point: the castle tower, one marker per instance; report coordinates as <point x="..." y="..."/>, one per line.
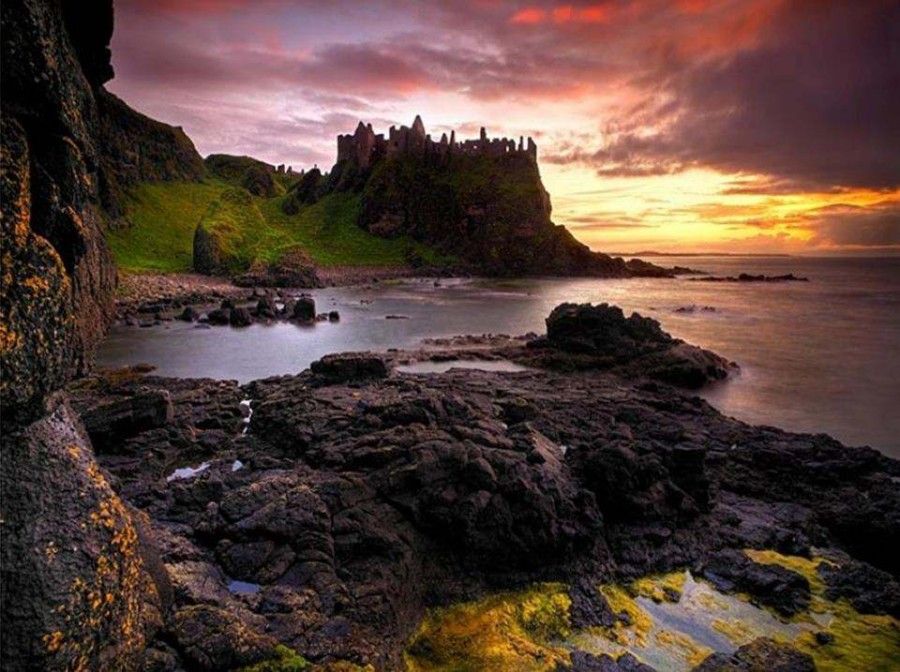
<point x="418" y="128"/>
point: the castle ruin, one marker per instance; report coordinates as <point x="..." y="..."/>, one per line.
<point x="364" y="147"/>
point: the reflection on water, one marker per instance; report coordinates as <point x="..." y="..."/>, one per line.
<point x="817" y="357"/>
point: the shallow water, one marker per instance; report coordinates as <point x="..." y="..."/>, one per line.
<point x="701" y="621"/>
<point x="501" y="365"/>
<point x="815" y="357"/>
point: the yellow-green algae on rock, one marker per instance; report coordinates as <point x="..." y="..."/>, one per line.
<point x="861" y="641"/>
<point x="507" y="631"/>
<point x="671" y="622"/>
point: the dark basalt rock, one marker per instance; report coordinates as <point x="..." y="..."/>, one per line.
<point x="588" y="662"/>
<point x="587" y="336"/>
<point x="76" y="594"/>
<point x="240" y="317"/>
<point x="117" y="417"/>
<point x="589" y="608"/>
<point x="760" y="655"/>
<point x="189" y="314"/>
<point x="746" y="277"/>
<point x="869" y="590"/>
<point x="358" y="503"/>
<point x="219" y="316"/>
<point x="304" y="309"/>
<point x="294" y="268"/>
<point x="266" y="308"/>
<point x="345" y="367"/>
<point x="780" y="588"/>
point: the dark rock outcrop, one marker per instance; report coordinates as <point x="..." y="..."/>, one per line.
<point x="79" y="580"/>
<point x="869" y="590"/>
<point x="601" y="337"/>
<point x="259" y="182"/>
<point x="774" y="586"/>
<point x="58" y="274"/>
<point x="342" y="368"/>
<point x="760" y="655"/>
<point x="294" y="268"/>
<point x="747" y="277"/>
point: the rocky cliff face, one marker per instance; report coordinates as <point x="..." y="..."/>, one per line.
<point x="58" y="274"/>
<point x="76" y="591"/>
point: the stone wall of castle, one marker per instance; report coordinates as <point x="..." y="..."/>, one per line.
<point x="364" y="147"/>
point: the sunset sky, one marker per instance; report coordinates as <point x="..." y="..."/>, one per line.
<point x="689" y="125"/>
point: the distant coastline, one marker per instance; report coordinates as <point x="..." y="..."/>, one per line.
<point x="654" y="253"/>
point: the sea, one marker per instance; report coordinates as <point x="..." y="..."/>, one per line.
<point x="821" y="356"/>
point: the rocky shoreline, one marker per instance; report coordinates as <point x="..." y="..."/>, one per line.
<point x="356" y="497"/>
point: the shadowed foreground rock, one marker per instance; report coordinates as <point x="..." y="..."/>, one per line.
<point x="76" y="592"/>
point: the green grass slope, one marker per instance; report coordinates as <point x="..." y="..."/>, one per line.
<point x="164" y="216"/>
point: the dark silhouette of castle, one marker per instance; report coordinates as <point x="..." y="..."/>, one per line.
<point x="363" y="147"/>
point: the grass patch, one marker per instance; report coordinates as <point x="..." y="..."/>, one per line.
<point x="164" y="216"/>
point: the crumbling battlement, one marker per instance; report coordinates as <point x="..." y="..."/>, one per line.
<point x="364" y="147"/>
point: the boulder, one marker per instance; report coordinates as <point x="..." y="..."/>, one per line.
<point x="117" y="418"/>
<point x="240" y="317"/>
<point x="603" y="330"/>
<point x="304" y="309"/>
<point x="219" y="316"/>
<point x="347" y="367"/>
<point x="266" y="308"/>
<point x="189" y="314"/>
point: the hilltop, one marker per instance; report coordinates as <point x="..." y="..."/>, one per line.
<point x="403" y="203"/>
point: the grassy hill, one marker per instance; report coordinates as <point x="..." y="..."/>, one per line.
<point x="164" y="216"/>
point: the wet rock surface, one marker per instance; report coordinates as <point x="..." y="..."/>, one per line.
<point x="732" y="571"/>
<point x="361" y="501"/>
<point x="761" y="654"/>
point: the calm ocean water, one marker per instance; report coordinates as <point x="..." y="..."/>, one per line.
<point x="820" y="356"/>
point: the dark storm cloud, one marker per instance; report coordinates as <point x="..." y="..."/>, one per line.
<point x="815" y="105"/>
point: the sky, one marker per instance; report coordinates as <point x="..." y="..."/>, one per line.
<point x="761" y="126"/>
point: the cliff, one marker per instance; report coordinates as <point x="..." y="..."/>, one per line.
<point x="77" y="592"/>
<point x="481" y="201"/>
<point x="136" y="148"/>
